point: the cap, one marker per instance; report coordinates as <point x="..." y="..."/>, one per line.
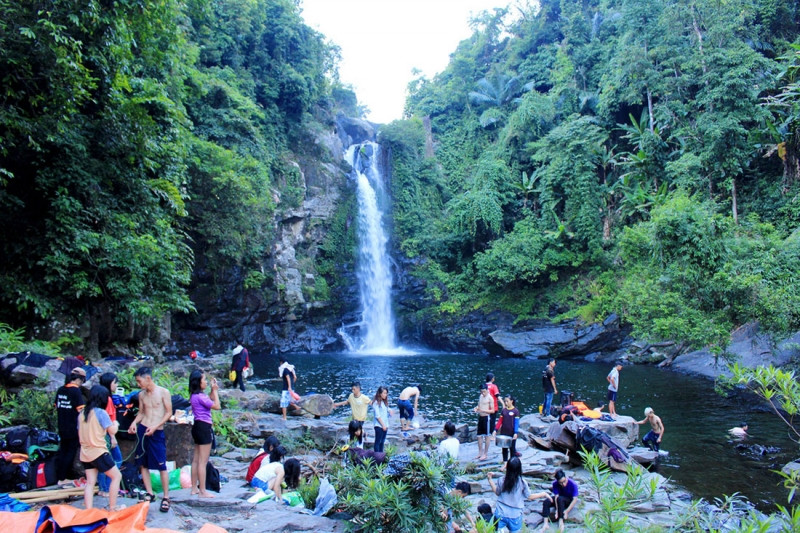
<point x="79" y="371"/>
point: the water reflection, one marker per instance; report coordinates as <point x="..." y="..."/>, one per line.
<point x="702" y="457"/>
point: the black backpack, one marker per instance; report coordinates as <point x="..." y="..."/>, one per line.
<point x="17" y="440"/>
<point x="212" y="477"/>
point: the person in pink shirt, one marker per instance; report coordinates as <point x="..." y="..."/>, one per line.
<point x="202" y="405"/>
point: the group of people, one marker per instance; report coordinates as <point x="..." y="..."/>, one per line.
<point x="407" y="405"/>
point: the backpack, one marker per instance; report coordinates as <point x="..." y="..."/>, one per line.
<point x="17" y="440"/>
<point x="42" y="473"/>
<point x="212" y="477"/>
<point x="568" y="412"/>
<point x="255" y="464"/>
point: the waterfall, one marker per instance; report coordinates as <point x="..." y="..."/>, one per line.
<point x="375" y="332"/>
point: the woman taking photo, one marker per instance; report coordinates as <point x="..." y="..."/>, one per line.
<point x="202" y="405"/>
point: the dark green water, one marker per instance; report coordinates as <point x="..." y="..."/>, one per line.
<point x="702" y="459"/>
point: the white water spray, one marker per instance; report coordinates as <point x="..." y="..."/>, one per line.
<point x="375" y="332"/>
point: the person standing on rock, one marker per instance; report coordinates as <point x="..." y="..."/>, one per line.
<point x="380" y="407"/>
<point x="653" y="438"/>
<point x="485" y="408"/>
<point x="512" y="490"/>
<point x="358" y="403"/>
<point x="494" y="393"/>
<point x="613" y="387"/>
<point x="450" y="445"/>
<point x="93" y="426"/>
<point x="288" y="378"/>
<point x="509" y="426"/>
<point x="549" y="386"/>
<point x="155" y="408"/>
<point x="406" y="409"/>
<point x="69" y="403"/>
<point x="240" y="361"/>
<point x="202" y="433"/>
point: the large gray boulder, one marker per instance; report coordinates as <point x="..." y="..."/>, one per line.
<point x="560" y="340"/>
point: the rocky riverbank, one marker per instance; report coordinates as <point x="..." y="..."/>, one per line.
<point x="313" y="440"/>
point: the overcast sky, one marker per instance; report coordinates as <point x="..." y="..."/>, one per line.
<point x="383" y="40"/>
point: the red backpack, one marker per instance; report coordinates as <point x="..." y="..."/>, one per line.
<point x="255" y="464"/>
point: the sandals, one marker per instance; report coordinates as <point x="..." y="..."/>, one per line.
<point x="164" y="505"/>
<point x="146" y="497"/>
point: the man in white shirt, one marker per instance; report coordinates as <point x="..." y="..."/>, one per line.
<point x="613" y="387"/>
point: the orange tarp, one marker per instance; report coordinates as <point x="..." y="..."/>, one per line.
<point x="584" y="410"/>
<point x="128" y="520"/>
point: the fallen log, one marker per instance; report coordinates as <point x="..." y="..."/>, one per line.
<point x="48" y="494"/>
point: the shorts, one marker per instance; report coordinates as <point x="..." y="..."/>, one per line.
<point x="406" y="409"/>
<point x="286" y="399"/>
<point x="483" y="426"/>
<point x="201" y="432"/>
<point x="513" y="524"/>
<point x="104" y="463"/>
<point x="612" y="396"/>
<point x="151" y="452"/>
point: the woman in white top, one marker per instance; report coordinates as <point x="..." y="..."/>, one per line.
<point x="380" y="406"/>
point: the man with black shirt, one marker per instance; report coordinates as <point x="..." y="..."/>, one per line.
<point x="69" y="403"/>
<point x="549" y="386"/>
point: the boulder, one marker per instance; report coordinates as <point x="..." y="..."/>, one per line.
<point x="565" y="339"/>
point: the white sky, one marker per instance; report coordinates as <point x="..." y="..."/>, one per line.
<point x="381" y="42"/>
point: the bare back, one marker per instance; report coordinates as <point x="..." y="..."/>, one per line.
<point x="156" y="407"/>
<point x="408" y="392"/>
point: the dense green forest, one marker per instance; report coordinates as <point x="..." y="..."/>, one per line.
<point x="143" y="141"/>
<point x="602" y="156"/>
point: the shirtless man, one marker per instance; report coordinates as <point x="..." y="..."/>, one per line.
<point x="155" y="408"/>
<point x="404" y="405"/>
<point x="653" y="438"/>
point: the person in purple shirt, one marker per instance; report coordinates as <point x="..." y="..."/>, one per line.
<point x="202" y="405"/>
<point x="564" y="498"/>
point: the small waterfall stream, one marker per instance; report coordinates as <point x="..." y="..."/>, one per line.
<point x="375" y="333"/>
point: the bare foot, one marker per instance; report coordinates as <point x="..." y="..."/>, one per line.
<point x="205" y="494"/>
<point x="195" y="492"/>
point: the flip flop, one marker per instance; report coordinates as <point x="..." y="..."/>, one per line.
<point x="164" y="505"/>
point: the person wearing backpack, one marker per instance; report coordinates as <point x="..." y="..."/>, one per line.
<point x="69" y="403"/>
<point x="549" y="386"/>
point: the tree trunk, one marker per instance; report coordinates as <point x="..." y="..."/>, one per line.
<point x="734" y="207"/>
<point x="668" y="361"/>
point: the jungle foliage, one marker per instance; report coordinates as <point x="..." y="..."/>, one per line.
<point x="617" y="156"/>
<point x="142" y="142"/>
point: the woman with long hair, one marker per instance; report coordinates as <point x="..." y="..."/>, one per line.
<point x="109" y="381"/>
<point x="356" y="432"/>
<point x="202" y="433"/>
<point x="509" y="426"/>
<point x="380" y="407"/>
<point x="512" y="491"/>
<point x="271" y="474"/>
<point x="93" y="426"/>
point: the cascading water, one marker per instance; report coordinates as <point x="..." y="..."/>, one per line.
<point x="375" y="332"/>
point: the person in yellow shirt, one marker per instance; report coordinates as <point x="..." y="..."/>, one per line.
<point x="358" y="403"/>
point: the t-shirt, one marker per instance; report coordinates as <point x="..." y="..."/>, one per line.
<point x="267" y="471"/>
<point x="287" y="372"/>
<point x="359" y="406"/>
<point x="511" y="504"/>
<point x="201" y="407"/>
<point x="69" y="400"/>
<point x="494" y="392"/>
<point x="509" y="422"/>
<point x="570" y="491"/>
<point x="614" y="376"/>
<point x="547" y="382"/>
<point x="111" y="409"/>
<point x="450" y="445"/>
<point x="381" y="411"/>
<point x="92" y="434"/>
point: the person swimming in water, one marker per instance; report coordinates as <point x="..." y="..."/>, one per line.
<point x="739" y="433"/>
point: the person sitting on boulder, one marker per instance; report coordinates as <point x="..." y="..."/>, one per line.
<point x="564" y="498"/>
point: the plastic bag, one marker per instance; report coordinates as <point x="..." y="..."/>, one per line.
<point x="292" y="499"/>
<point x="174" y="480"/>
<point x="232" y="375"/>
<point x="326" y="499"/>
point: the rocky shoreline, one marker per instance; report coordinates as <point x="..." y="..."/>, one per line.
<point x="256" y="415"/>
